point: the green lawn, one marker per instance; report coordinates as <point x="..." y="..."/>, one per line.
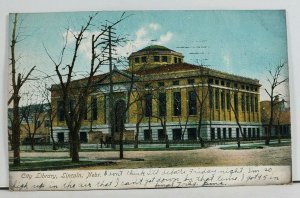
<point x="255" y="146"/>
<point x="53" y="165"/>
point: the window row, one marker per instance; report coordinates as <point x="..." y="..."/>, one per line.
<point x="217" y="98"/>
<point x="226" y="133"/>
<point x="162" y="104"/>
<point x="91" y="108"/>
<point x="144" y="59"/>
<point x="174" y="83"/>
<point x="231" y="84"/>
<point x="177" y="134"/>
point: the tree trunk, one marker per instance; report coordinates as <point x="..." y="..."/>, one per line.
<point x="239" y="143"/>
<point x="121" y="145"/>
<point x="32" y="143"/>
<point x="52" y="138"/>
<point x="74" y="145"/>
<point x="267" y="141"/>
<point x="167" y="141"/>
<point x="136" y="138"/>
<point x="16" y="130"/>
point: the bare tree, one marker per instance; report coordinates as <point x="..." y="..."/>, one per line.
<point x="74" y="94"/>
<point x="18" y="81"/>
<point x="235" y="109"/>
<point x="201" y="101"/>
<point x="275" y="79"/>
<point x="161" y="100"/>
<point x="51" y="112"/>
<point x="34" y="115"/>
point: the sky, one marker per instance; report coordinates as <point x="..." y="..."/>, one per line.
<point x="245" y="43"/>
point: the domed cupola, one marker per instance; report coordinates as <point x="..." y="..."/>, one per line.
<point x="153" y="56"/>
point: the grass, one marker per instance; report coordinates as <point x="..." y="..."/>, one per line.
<point x="145" y="149"/>
<point x="53" y="165"/>
<point x="172" y="148"/>
<point x="256" y="146"/>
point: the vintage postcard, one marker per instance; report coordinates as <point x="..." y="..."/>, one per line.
<point x="148" y="99"/>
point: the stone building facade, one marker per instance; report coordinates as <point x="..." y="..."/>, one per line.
<point x="162" y="95"/>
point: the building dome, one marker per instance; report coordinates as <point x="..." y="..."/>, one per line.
<point x="153" y="56"/>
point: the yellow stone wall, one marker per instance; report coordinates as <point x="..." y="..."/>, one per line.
<point x="135" y="109"/>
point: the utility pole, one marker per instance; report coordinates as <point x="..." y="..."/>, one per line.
<point x="110" y="44"/>
<point x="111" y="109"/>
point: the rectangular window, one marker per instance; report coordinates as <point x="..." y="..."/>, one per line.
<point x="137" y="59"/>
<point x="60" y="137"/>
<point x="161" y="84"/>
<point x="236" y="102"/>
<point x="148" y="105"/>
<point x="258" y="132"/>
<point x="222" y="83"/>
<point x="177" y="134"/>
<point x="245" y="132"/>
<point x="237" y="133"/>
<point x="156" y="58"/>
<point x="176" y="82"/>
<point x="179" y="60"/>
<point x="61" y="110"/>
<point x="83" y="137"/>
<point x="222" y="100"/>
<point x="192" y="103"/>
<point x="94" y="108"/>
<point x="224" y="133"/>
<point x="253" y="132"/>
<point x="192" y="134"/>
<point x="216" y="82"/>
<point x="227" y="84"/>
<point x="164" y="59"/>
<point x="249" y="132"/>
<point x="162" y="104"/>
<point x="161" y="135"/>
<point x="211" y="98"/>
<point x="243" y="102"/>
<point x="177" y="103"/>
<point x="219" y="133"/>
<point x="144" y="59"/>
<point x="217" y="99"/>
<point x="175" y="59"/>
<point x="228" y="100"/>
<point x="210" y="81"/>
<point x="212" y="134"/>
<point x="251" y="103"/>
<point x="229" y="133"/>
<point x="191" y="81"/>
<point x="147" y="134"/>
<point x="256" y="104"/>
<point x="247" y="104"/>
<point x="235" y="85"/>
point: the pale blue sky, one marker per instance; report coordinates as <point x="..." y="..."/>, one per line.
<point x="239" y="42"/>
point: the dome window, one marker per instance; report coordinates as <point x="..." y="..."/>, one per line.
<point x="156" y="58"/>
<point x="137" y="60"/>
<point x="175" y="59"/>
<point x="164" y="59"/>
<point x="144" y="59"/>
